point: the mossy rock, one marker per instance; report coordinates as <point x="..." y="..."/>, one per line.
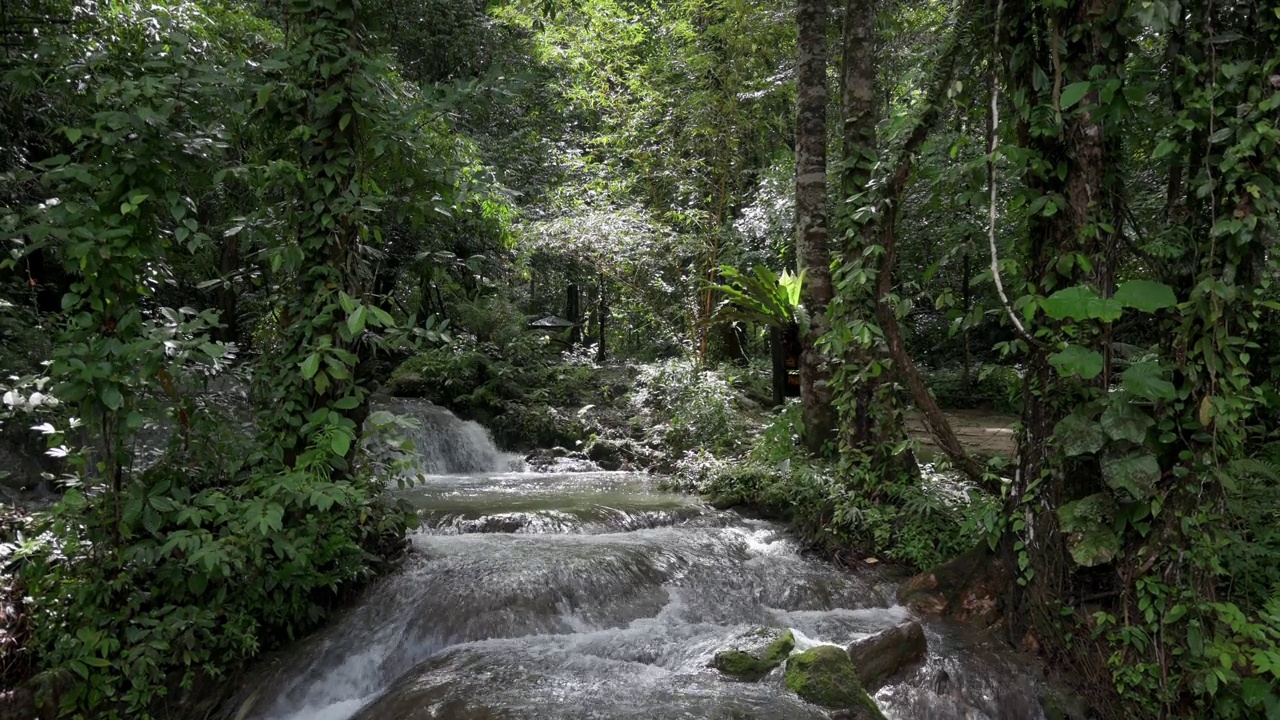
<point x="743" y="665"/>
<point x="825" y="676"/>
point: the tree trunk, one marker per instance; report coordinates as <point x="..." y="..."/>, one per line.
<point x="860" y="111"/>
<point x="602" y="314"/>
<point x="573" y="313"/>
<point x="812" y="254"/>
<point x="777" y="353"/>
<point x="860" y="114"/>
<point x="593" y="310"/>
<point x="966" y="298"/>
<point x="1077" y="42"/>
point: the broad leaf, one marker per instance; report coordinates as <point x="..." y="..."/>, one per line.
<point x="1078" y="434"/>
<point x="1087" y="513"/>
<point x="1122" y="420"/>
<point x="1145" y="295"/>
<point x="1072" y="94"/>
<point x="340" y="443"/>
<point x="1076" y="360"/>
<point x="1147" y="380"/>
<point x="1080" y="302"/>
<point x="1093" y="548"/>
<point x="310" y="366"/>
<point x="1133" y="476"/>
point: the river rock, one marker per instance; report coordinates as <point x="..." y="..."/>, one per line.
<point x="881" y="656"/>
<point x="967" y="588"/>
<point x="768" y="651"/>
<point x="825" y="676"/>
<point x="605" y="453"/>
<point x="544" y="457"/>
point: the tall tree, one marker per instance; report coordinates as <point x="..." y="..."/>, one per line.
<point x="812" y="253"/>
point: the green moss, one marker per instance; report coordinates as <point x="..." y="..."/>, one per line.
<point x="825" y="676"/>
<point x="746" y="666"/>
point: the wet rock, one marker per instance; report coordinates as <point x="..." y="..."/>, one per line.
<point x="408" y="385"/>
<point x="825" y="676"/>
<point x="751" y="665"/>
<point x="967" y="588"/>
<point x="881" y="656"/>
<point x="545" y="457"/>
<point x="605" y="453"/>
<point x="1062" y="704"/>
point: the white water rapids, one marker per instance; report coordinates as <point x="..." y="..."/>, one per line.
<point x="594" y="595"/>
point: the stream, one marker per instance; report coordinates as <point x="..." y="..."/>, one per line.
<point x="578" y="594"/>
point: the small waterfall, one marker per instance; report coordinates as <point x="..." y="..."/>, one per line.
<point x="444" y="444"/>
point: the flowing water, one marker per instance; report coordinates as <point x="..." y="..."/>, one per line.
<point x="595" y="595"/>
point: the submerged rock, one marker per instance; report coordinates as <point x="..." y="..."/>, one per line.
<point x="881" y="656"/>
<point x="755" y="664"/>
<point x="825" y="676"/>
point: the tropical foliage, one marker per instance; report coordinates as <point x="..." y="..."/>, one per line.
<point x="228" y="225"/>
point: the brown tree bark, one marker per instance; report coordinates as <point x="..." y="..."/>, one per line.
<point x="1074" y="42"/>
<point x="812" y="252"/>
<point x="860" y="111"/>
<point x="858" y="102"/>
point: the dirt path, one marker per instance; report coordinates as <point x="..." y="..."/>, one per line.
<point x="982" y="432"/>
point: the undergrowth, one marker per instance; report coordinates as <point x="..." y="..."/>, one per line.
<point x="921" y="525"/>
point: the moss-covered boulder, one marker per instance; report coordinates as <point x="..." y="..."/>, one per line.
<point x="825" y="676"/>
<point x="753" y="665"/>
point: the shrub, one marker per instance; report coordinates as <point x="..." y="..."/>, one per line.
<point x="692" y="407"/>
<point x="998" y="387"/>
<point x="187" y="575"/>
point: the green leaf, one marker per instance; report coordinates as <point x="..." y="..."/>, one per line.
<point x="1147" y="380"/>
<point x="1145" y="295"/>
<point x="349" y="304"/>
<point x="1096" y="547"/>
<point x="1122" y="420"/>
<point x="340" y="443"/>
<point x="1072" y="94"/>
<point x="310" y="366"/>
<point x="1087" y="513"/>
<point x="1133" y="476"/>
<point x="197" y="582"/>
<point x="1081" y="303"/>
<point x="347" y="403"/>
<point x="1254" y="691"/>
<point x="1072" y="302"/>
<point x="1076" y="360"/>
<point x="1078" y="434"/>
<point x="382" y="317"/>
<point x="112" y="398"/>
<point x="1165" y="147"/>
<point x="73" y="134"/>
<point x="356" y="320"/>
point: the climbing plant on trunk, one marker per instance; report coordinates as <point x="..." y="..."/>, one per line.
<point x="316" y="383"/>
<point x="812" y="252"/>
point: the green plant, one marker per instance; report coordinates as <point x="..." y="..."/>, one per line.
<point x="690" y="407"/>
<point x="762" y="297"/>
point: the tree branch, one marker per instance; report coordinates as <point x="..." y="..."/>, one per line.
<point x="936" y="422"/>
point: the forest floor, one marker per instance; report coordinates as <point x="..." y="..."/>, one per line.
<point x="982" y="432"/>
